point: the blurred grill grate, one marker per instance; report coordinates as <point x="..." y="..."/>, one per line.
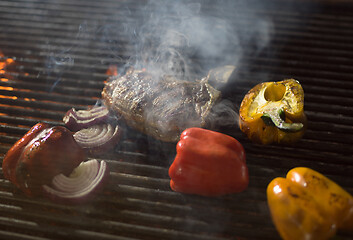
<point x="55" y="55"/>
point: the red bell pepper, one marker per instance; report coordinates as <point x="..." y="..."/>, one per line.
<point x="42" y="153"/>
<point x="208" y="163"/>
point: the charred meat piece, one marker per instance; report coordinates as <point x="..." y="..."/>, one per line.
<point x="159" y="106"/>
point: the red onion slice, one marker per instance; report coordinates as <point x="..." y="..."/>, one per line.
<point x="76" y="120"/>
<point x="98" y="138"/>
<point x="86" y="179"/>
<point x="77" y="177"/>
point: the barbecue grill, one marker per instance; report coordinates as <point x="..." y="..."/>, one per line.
<point x="55" y="55"/>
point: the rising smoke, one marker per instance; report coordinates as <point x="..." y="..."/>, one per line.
<point x="175" y="34"/>
<point x="183" y="39"/>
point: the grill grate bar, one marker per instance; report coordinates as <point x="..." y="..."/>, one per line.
<point x="69" y="222"/>
<point x="18" y="236"/>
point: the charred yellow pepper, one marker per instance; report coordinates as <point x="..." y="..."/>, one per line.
<point x="308" y="205"/>
<point x="334" y="199"/>
<point x="273" y="112"/>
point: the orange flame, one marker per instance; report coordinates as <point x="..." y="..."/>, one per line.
<point x="3" y="65"/>
<point x="6" y="62"/>
<point x="112" y="70"/>
<point x="6" y="88"/>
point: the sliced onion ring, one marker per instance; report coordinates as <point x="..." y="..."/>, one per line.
<point x="76" y="120"/>
<point x="85" y="180"/>
<point x="98" y="138"/>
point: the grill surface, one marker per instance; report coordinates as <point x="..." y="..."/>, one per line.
<point x="55" y="56"/>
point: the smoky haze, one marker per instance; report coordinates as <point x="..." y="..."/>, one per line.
<point x="175" y="34"/>
<point x="183" y="39"/>
<point x="186" y="39"/>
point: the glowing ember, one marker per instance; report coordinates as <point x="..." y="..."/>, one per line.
<point x="29" y="99"/>
<point x="112" y="70"/>
<point x="8" y="97"/>
<point x="6" y="88"/>
<point x="4" y="62"/>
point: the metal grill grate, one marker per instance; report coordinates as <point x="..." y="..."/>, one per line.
<point x="56" y="55"/>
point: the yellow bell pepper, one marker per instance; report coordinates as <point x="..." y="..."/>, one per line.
<point x="308" y="205"/>
<point x="273" y="112"/>
<point x="337" y="201"/>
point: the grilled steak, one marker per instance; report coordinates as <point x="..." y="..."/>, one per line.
<point x="159" y="106"/>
